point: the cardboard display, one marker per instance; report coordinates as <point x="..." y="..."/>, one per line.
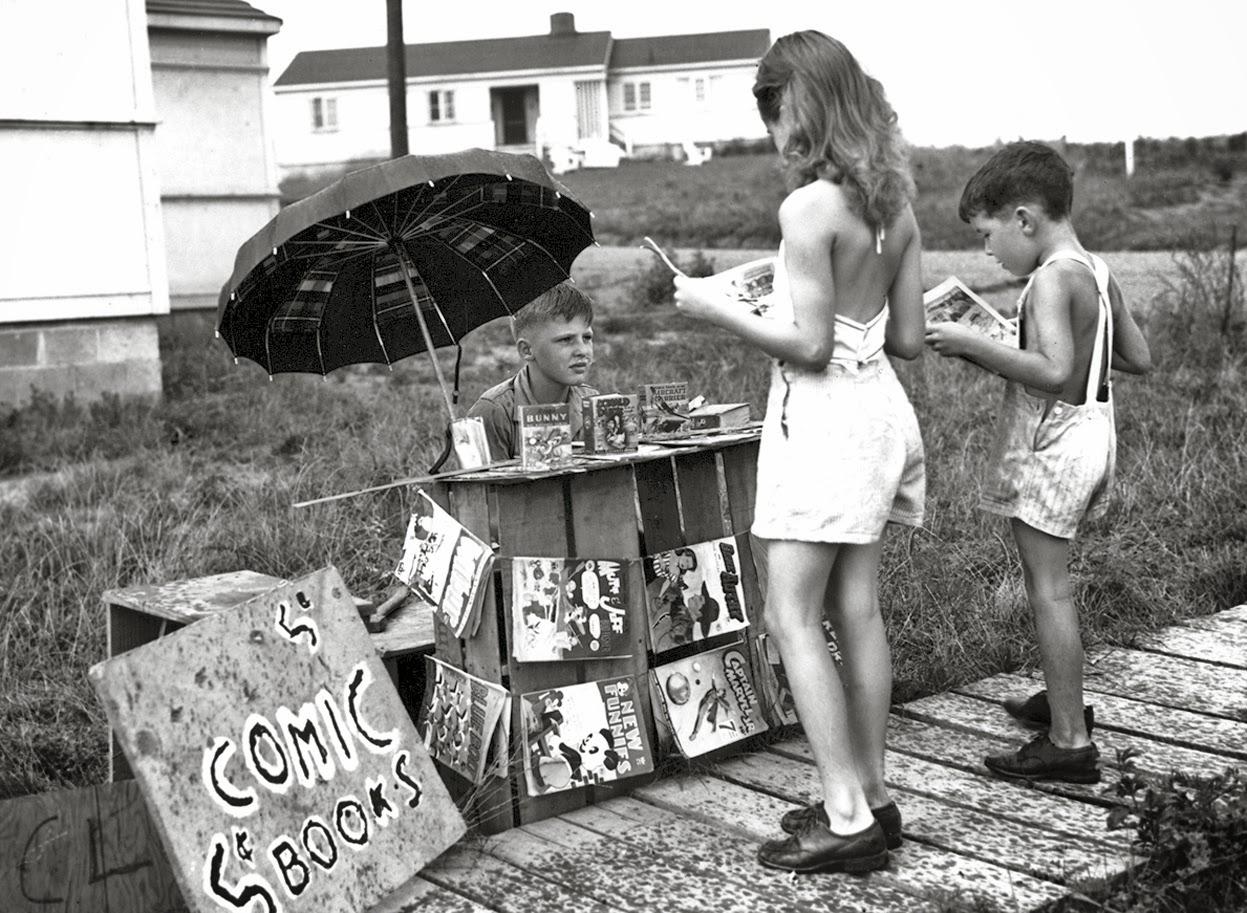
<point x="276" y="758"/>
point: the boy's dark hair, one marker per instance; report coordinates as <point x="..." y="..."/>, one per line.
<point x="563" y="302"/>
<point x="1022" y="172"/>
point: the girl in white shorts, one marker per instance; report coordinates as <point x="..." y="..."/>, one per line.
<point x="840" y="452"/>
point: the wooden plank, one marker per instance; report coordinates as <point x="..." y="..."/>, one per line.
<point x="1022" y="845"/>
<point x="184" y="601"/>
<point x="498" y="885"/>
<point x="715" y="869"/>
<point x="1224" y="644"/>
<point x="915" y="868"/>
<point x="1159" y="758"/>
<point x="423" y="896"/>
<point x="658" y="506"/>
<point x="84" y="849"/>
<point x="1213" y="734"/>
<point x="605" y="524"/>
<point x="697" y="492"/>
<point x="1169" y="680"/>
<point x="1014" y="801"/>
<point x="483" y="649"/>
<point x="740" y="474"/>
<point x="1238" y="613"/>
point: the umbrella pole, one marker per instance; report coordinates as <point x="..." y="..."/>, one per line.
<point x="424" y="329"/>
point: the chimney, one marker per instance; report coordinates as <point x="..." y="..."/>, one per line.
<point x="562" y="24"/>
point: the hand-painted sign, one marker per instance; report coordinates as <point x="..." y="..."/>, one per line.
<point x="276" y="758"/>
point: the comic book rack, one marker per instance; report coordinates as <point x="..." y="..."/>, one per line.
<point x="623" y="510"/>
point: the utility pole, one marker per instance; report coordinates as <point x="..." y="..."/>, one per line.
<point x="396" y="71"/>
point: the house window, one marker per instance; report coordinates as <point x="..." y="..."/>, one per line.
<point x="441" y="106"/>
<point x="636" y="96"/>
<point x="699" y="90"/>
<point x="324" y="114"/>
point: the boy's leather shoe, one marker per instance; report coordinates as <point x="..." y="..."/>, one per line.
<point x="1035" y="713"/>
<point x="814" y="848"/>
<point x="888" y="816"/>
<point x="1039" y="759"/>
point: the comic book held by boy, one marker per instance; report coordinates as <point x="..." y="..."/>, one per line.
<point x="694" y="592"/>
<point x="460" y="718"/>
<point x="568" y="609"/>
<point x="584" y="734"/>
<point x="445" y="565"/>
<point x="953" y="301"/>
<point x="707" y="700"/>
<point x="612" y="423"/>
<point x="664" y="409"/>
<point x="545" y="433"/>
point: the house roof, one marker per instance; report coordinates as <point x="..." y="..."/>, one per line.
<point x="537" y="52"/>
<point x="708" y="47"/>
<point x="452" y="58"/>
<point x="233" y="8"/>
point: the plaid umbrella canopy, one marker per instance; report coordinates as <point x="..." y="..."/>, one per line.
<point x="403" y="257"/>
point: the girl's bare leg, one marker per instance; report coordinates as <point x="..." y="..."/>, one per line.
<point x="797" y="577"/>
<point x="866" y="668"/>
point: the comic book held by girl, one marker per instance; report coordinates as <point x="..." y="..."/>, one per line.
<point x="694" y="592"/>
<point x="584" y="734"/>
<point x="568" y="609"/>
<point x="707" y="700"/>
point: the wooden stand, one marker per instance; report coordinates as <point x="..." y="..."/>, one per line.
<point x="616" y="511"/>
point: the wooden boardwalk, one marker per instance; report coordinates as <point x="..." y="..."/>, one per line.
<point x="687" y="843"/>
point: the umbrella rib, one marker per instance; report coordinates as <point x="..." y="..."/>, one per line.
<point x="376" y="328"/>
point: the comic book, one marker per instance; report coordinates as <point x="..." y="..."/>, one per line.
<point x="612" y="423"/>
<point x="664" y="408"/>
<point x="584" y="734"/>
<point x="749" y="283"/>
<point x="545" y="434"/>
<point x="953" y="300"/>
<point x="445" y="565"/>
<point x="707" y="700"/>
<point x="694" y="592"/>
<point x="568" y="608"/>
<point x="467" y="435"/>
<point x="460" y="720"/>
<point x="717" y="416"/>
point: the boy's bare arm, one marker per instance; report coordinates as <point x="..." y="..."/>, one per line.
<point x="1130" y="349"/>
<point x="1048" y="361"/>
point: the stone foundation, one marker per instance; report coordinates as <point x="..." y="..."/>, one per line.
<point x="85" y="358"/>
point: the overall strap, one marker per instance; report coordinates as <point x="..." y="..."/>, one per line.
<point x="1098" y="385"/>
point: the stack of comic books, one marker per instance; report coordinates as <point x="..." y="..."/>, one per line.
<point x="612" y="423"/>
<point x="583" y="734"/>
<point x="466" y="722"/>
<point x="568" y="609"/>
<point x="445" y="565"/>
<point x="953" y="301"/>
<point x="708" y="700"/>
<point x="545" y="435"/>
<point x="663" y="408"/>
<point x="693" y="593"/>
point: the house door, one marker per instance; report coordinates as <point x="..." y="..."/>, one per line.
<point x="514" y="114"/>
<point x="589" y="108"/>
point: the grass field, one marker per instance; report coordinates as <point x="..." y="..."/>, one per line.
<point x="120" y="493"/>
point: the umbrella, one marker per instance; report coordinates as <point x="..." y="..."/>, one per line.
<point x="403" y="257"/>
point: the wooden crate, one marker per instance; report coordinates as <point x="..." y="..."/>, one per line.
<point x="615" y="511"/>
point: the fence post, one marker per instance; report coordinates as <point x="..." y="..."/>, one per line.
<point x="1229" y="281"/>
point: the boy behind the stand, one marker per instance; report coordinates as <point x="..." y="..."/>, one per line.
<point x="1053" y="461"/>
<point x="554" y="339"/>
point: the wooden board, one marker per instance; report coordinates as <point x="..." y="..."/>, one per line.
<point x="184" y="601"/>
<point x="275" y="756"/>
<point x="1169" y="680"/>
<point x="84" y="849"/>
<point x="1222" y="642"/>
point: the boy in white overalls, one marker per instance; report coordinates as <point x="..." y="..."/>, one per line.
<point x="1055" y="450"/>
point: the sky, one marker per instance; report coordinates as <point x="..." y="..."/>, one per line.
<point x="965" y="72"/>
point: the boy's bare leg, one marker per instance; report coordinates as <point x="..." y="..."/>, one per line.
<point x="798" y="573"/>
<point x="866" y="669"/>
<point x="1045" y="566"/>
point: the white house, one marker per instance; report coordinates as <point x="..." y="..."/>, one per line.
<point x="584" y="91"/>
<point x="136" y="161"/>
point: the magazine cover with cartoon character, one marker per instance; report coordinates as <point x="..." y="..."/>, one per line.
<point x="694" y="592"/>
<point x="460" y="720"/>
<point x="568" y="608"/>
<point x="584" y="734"/>
<point x="707" y="700"/>
<point x="444" y="564"/>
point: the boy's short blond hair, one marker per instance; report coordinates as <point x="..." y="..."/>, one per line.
<point x="563" y="302"/>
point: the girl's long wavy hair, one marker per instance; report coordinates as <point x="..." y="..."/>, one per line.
<point x="844" y="129"/>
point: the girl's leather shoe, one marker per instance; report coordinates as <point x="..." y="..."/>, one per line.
<point x="814" y="848"/>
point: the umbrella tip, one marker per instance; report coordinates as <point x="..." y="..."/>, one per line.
<point x="235" y="359"/>
<point x="270" y="378"/>
<point x="216" y="334"/>
<point x="509" y="176"/>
